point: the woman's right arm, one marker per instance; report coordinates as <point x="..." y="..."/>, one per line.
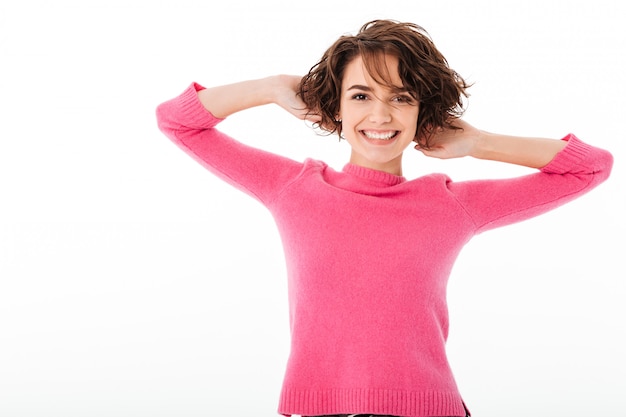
<point x="224" y="100"/>
<point x="189" y="120"/>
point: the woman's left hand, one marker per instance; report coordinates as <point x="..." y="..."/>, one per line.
<point x="449" y="143"/>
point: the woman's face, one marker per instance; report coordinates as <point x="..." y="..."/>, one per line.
<point x="378" y="122"/>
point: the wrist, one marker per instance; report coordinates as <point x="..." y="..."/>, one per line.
<point x="281" y="87"/>
<point x="264" y="90"/>
<point x="482" y="145"/>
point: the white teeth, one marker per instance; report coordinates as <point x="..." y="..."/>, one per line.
<point x="380" y="135"/>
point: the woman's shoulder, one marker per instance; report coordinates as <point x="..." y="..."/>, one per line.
<point x="434" y="179"/>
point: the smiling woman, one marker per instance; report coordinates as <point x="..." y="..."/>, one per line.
<point x="418" y="70"/>
<point x="378" y="122"/>
<point x="368" y="252"/>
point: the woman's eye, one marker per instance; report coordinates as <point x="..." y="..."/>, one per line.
<point x="359" y="97"/>
<point x="404" y="99"/>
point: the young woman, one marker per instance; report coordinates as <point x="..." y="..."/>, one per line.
<point x="369" y="252"/>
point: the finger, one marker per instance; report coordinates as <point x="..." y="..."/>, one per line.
<point x="311" y="117"/>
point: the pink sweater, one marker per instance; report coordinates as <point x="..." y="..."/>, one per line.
<point x="368" y="258"/>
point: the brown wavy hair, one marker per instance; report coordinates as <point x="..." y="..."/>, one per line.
<point x="423" y="69"/>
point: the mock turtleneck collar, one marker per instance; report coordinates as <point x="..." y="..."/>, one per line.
<point x="381" y="178"/>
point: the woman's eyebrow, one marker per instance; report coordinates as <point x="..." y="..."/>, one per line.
<point x="359" y="87"/>
<point x="366" y="88"/>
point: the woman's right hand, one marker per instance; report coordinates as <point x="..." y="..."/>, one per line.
<point x="286" y="96"/>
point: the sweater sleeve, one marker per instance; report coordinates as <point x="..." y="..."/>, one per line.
<point x="189" y="125"/>
<point x="574" y="171"/>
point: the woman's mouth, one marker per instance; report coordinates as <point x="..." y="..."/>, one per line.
<point x="380" y="135"/>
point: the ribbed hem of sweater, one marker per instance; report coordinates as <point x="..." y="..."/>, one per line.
<point x="370" y="401"/>
<point x="198" y="116"/>
<point x="569" y="157"/>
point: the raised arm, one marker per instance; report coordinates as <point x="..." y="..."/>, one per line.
<point x="469" y="141"/>
<point x="568" y="168"/>
<point x="222" y="101"/>
<point x="190" y="121"/>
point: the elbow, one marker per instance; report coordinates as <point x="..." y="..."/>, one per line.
<point x="165" y="122"/>
<point x="161" y="119"/>
<point x="605" y="166"/>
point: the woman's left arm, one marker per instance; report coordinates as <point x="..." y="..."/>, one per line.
<point x="568" y="168"/>
<point x="470" y="141"/>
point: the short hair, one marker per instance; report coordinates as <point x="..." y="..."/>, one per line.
<point x="423" y="69"/>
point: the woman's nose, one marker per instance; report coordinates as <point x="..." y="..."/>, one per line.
<point x="380" y="112"/>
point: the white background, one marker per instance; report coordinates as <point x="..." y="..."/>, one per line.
<point x="133" y="283"/>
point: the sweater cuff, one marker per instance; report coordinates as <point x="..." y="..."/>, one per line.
<point x="197" y="115"/>
<point x="571" y="156"/>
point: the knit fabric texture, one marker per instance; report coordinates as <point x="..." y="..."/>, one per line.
<point x="368" y="259"/>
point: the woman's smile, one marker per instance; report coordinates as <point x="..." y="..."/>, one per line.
<point x="380" y="137"/>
